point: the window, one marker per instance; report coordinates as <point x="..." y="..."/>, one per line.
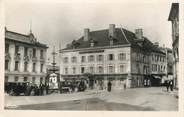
<point x="16" y="79"/>
<point x="25" y="79"/>
<point x="122" y="56"/>
<point x="25" y="51"/>
<point x="91" y="58"/>
<point x="41" y="80"/>
<point x="164" y="68"/>
<point x="152" y="57"/>
<point x="91" y="69"/>
<point x="122" y="68"/>
<point x="6" y="64"/>
<point x="92" y="44"/>
<point x="82" y="69"/>
<point x="111" y="69"/>
<point x="6" y="48"/>
<point x="25" y="66"/>
<point x="34" y="67"/>
<point x="6" y="79"/>
<point x="111" y="57"/>
<point x="100" y="57"/>
<point x="160" y="58"/>
<point x="74" y="59"/>
<point x="144" y="59"/>
<point x="33" y="80"/>
<point x="66" y="70"/>
<point x="41" y="67"/>
<point x="100" y="69"/>
<point x="16" y="65"/>
<point x="16" y="49"/>
<point x="41" y="54"/>
<point x="74" y="70"/>
<point x="83" y="59"/>
<point x="34" y="52"/>
<point x="65" y="59"/>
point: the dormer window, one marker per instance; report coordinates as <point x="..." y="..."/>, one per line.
<point x="91" y="43"/>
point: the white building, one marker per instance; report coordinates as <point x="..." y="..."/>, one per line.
<point x="114" y="54"/>
<point x="25" y="58"/>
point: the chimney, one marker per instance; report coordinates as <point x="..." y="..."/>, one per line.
<point x="139" y="33"/>
<point x="111" y="30"/>
<point x="156" y="44"/>
<point x="86" y="34"/>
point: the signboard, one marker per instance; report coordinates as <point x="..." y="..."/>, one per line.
<point x="170" y="77"/>
<point x="53" y="81"/>
<point x="91" y="51"/>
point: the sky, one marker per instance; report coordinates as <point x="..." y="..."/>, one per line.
<point x="58" y="23"/>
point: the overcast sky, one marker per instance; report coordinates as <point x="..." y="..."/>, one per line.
<point x="54" y="22"/>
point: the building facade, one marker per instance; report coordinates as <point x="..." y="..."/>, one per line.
<point x="113" y="54"/>
<point x="25" y="58"/>
<point x="174" y="18"/>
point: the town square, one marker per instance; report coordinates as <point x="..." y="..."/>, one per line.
<point x="99" y="57"/>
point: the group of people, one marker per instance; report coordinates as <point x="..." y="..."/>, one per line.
<point x="26" y="89"/>
<point x="169" y="85"/>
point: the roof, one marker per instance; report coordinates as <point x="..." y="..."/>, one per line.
<point x="28" y="39"/>
<point x="101" y="39"/>
<point x="174" y="11"/>
<point x="148" y="46"/>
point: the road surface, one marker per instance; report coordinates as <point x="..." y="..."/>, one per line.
<point x="85" y="104"/>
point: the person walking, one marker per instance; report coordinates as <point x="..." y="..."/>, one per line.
<point x="167" y="85"/>
<point x="171" y="85"/>
<point x="109" y="86"/>
<point x="124" y="85"/>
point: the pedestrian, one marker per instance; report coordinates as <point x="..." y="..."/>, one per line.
<point x="41" y="89"/>
<point x="171" y="85"/>
<point x="47" y="89"/>
<point x="167" y="85"/>
<point x="109" y="86"/>
<point x="124" y="86"/>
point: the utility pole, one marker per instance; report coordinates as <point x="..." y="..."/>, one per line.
<point x="54" y="61"/>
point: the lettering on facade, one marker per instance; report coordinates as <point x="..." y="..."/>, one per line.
<point x="91" y="51"/>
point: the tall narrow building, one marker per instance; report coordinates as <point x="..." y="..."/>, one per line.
<point x="174" y="18"/>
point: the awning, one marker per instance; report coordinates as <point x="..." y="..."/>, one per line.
<point x="157" y="77"/>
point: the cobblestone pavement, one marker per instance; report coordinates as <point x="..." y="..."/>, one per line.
<point x="153" y="98"/>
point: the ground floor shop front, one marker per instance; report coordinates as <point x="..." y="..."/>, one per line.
<point x="99" y="81"/>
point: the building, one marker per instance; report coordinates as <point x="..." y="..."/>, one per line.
<point x="25" y="58"/>
<point x="174" y="18"/>
<point x="114" y="54"/>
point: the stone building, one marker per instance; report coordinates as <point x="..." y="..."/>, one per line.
<point x="25" y="58"/>
<point x="174" y="18"/>
<point x="114" y="54"/>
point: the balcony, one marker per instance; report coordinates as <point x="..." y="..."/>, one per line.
<point x="42" y="59"/>
<point x="7" y="56"/>
<point x="17" y="57"/>
<point x="35" y="59"/>
<point x="26" y="58"/>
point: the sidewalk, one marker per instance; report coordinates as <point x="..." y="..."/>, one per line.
<point x="13" y="101"/>
<point x="154" y="97"/>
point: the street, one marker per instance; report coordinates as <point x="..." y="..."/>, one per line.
<point x="135" y="99"/>
<point x="86" y="104"/>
